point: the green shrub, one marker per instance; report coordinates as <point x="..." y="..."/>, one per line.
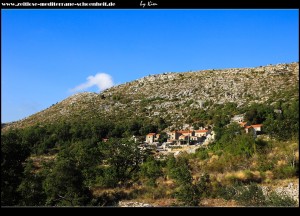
<point x="158" y="193"/>
<point x="179" y="170"/>
<point x="276" y="200"/>
<point x="151" y="170"/>
<point x="202" y="154"/>
<point x="251" y="195"/>
<point x="261" y="145"/>
<point x="188" y="195"/>
<point x="286" y="171"/>
<point x="268" y="165"/>
<point x="227" y="193"/>
<point x="252" y="177"/>
<point x="204" y="185"/>
<point x="108" y="178"/>
<point x="108" y="199"/>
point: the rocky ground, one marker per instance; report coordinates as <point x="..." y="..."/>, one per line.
<point x="173" y="95"/>
<point x="291" y="190"/>
<point x="133" y="204"/>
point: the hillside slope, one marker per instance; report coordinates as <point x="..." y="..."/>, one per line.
<point x="173" y="95"/>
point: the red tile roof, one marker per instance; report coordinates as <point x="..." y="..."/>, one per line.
<point x="151" y="134"/>
<point x="201" y="131"/>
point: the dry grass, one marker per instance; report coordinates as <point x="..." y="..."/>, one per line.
<point x="213" y="158"/>
<point x="296" y="154"/>
<point x="281" y="162"/>
<point x="281" y="182"/>
<point x="241" y="175"/>
<point x="218" y="203"/>
<point x="39" y="160"/>
<point x="269" y="175"/>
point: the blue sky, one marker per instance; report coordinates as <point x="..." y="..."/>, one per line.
<point x="48" y="55"/>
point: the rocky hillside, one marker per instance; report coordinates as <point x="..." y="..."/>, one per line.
<point x="172" y="95"/>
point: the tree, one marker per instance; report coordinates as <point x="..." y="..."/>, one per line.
<point x="64" y="185"/>
<point x="87" y="157"/>
<point x="257" y="113"/>
<point x="31" y="187"/>
<point x="151" y="169"/>
<point x="187" y="193"/>
<point x="148" y="128"/>
<point x="133" y="127"/>
<point x="118" y="131"/>
<point x="226" y="134"/>
<point x="163" y="137"/>
<point x="179" y="171"/>
<point x="161" y="123"/>
<point x="63" y="131"/>
<point x="123" y="158"/>
<point x="13" y="154"/>
<point x="235" y="141"/>
<point x="251" y="195"/>
<point x="286" y="125"/>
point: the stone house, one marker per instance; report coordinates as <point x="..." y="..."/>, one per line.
<point x="173" y="135"/>
<point x="185" y="136"/>
<point x="187" y="132"/>
<point x="200" y="133"/>
<point x="152" y="137"/>
<point x="257" y="128"/>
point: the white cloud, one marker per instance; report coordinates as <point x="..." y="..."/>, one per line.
<point x="101" y="80"/>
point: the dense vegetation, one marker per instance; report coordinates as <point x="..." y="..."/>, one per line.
<point x="66" y="164"/>
<point x="81" y="151"/>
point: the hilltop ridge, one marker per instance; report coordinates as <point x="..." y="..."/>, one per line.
<point x="172" y="96"/>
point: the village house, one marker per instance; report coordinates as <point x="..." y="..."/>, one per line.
<point x="195" y="138"/>
<point x="257" y="128"/>
<point x="244" y="124"/>
<point x="200" y="133"/>
<point x="187" y="132"/>
<point x="152" y="137"/>
<point x="183" y="137"/>
<point x="173" y="136"/>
